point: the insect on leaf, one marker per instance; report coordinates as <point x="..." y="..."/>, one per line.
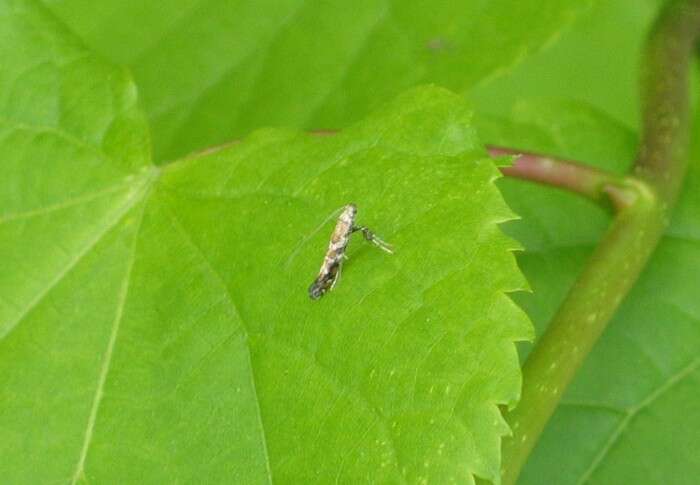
<point x="155" y="325"/>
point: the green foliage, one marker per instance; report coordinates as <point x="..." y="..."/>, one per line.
<point x="155" y="321"/>
<point x="629" y="417"/>
<point x="210" y="71"/>
<point x="596" y="62"/>
<point x="631" y="406"/>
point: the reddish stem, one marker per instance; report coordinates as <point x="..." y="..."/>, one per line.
<point x="590" y="182"/>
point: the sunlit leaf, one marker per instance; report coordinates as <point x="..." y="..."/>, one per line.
<point x="155" y="325"/>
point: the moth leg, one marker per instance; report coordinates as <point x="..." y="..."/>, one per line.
<point x="336" y="275"/>
<point x="373" y="238"/>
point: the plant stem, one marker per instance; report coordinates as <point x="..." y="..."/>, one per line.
<point x="647" y="193"/>
<point x="581" y="179"/>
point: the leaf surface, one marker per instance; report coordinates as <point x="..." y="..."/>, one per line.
<point x="582" y="64"/>
<point x="210" y="71"/>
<point x="154" y="322"/>
<point x="629" y="416"/>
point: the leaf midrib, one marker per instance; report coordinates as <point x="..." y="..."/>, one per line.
<point x="176" y="221"/>
<point x="106" y="364"/>
<point x="138" y="193"/>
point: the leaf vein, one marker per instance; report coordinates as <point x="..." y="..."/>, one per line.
<point x="111" y="222"/>
<point x="64" y="204"/>
<point x="218" y="276"/>
<point x="632" y="413"/>
<point x="106" y="364"/>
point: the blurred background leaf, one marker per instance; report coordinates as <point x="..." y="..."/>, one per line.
<point x="210" y="71"/>
<point x="630" y="415"/>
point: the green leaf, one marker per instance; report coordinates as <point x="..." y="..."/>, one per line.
<point x="211" y="71"/>
<point x="630" y="415"/>
<point x="583" y="65"/>
<point x="155" y="325"/>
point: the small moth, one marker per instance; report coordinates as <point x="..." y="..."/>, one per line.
<point x="329" y="273"/>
